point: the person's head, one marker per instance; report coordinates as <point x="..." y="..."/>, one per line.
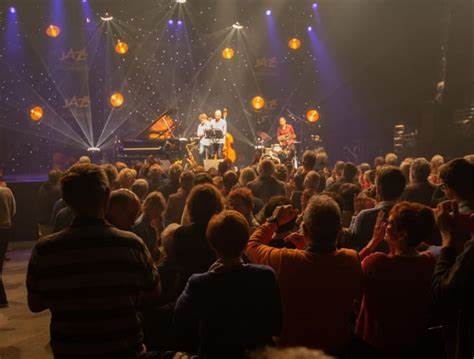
<point x="230" y="179"/>
<point x="390" y="183"/>
<point x="174" y="172"/>
<point x="124" y="208"/>
<point x="405" y="168"/>
<point x="84" y="160"/>
<point x="378" y="162"/>
<point x="322" y="160"/>
<point x="154" y="206"/>
<point x="299" y="180"/>
<point x="369" y="178"/>
<point x="218" y="115"/>
<point x="155" y="174"/>
<point x="202" y="117"/>
<point x="167" y="239"/>
<point x="247" y="175"/>
<point x="54" y="176"/>
<point x="85" y="189"/>
<point x="391" y="159"/>
<point x="271" y="205"/>
<point x="186" y="181"/>
<point x="436" y="162"/>
<point x="228" y="234"/>
<point x="420" y="170"/>
<point x="363" y="167"/>
<point x="409" y="224"/>
<point x="223" y="167"/>
<point x="469" y="158"/>
<point x="282" y="121"/>
<point x="202" y="178"/>
<point x="140" y="188"/>
<point x="266" y="168"/>
<point x="339" y="169"/>
<point x="212" y="172"/>
<point x="241" y="200"/>
<point x="309" y="160"/>
<point x="281" y="172"/>
<point x="348" y="191"/>
<point x="311" y="181"/>
<point x="112" y="174"/>
<point x="289" y="353"/>
<point x="204" y="201"/>
<point x="126" y="178"/>
<point x="350" y="172"/>
<point x="120" y="166"/>
<point x="457" y="177"/>
<point x="218" y="182"/>
<point x="322" y="223"/>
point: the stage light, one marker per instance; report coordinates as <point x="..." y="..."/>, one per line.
<point x="117" y="99"/>
<point x="268" y="12"/>
<point x="237" y="26"/>
<point x="170" y="22"/>
<point x="228" y="53"/>
<point x="181" y="1"/>
<point x="180" y="22"/>
<point x="88" y="20"/>
<point x="310" y="28"/>
<point x="36" y="113"/>
<point x="53" y="31"/>
<point x="312" y="116"/>
<point x="294" y="44"/>
<point x="93" y="150"/>
<point x="121" y="48"/>
<point x="258" y="103"/>
<point x="315" y="6"/>
<point x="107" y="17"/>
<point x="12" y="10"/>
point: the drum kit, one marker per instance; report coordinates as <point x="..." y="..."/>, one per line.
<point x="275" y="152"/>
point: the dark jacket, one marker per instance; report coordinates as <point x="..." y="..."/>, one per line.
<point x="266" y="188"/>
<point x="420" y="193"/>
<point x="237" y="310"/>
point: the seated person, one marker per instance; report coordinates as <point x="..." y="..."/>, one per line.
<point x="237" y="306"/>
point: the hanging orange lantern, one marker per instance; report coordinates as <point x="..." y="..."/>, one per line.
<point x="53" y="31"/>
<point x="312" y="116"/>
<point x="36" y="113"/>
<point x="228" y="53"/>
<point x="294" y="44"/>
<point x="258" y="103"/>
<point x="121" y="48"/>
<point x="117" y="99"/>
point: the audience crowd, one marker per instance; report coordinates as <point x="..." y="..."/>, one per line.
<point x="351" y="261"/>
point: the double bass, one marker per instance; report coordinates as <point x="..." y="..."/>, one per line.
<point x="228" y="150"/>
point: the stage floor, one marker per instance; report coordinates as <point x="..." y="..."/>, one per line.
<point x="22" y="333"/>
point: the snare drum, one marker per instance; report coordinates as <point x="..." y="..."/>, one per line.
<point x="276" y="148"/>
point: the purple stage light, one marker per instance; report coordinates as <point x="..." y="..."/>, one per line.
<point x="84" y="1"/>
<point x="315" y="6"/>
<point x="88" y="20"/>
<point x="12" y="10"/>
<point x="268" y="12"/>
<point x="310" y="28"/>
<point x="180" y="22"/>
<point x="170" y="22"/>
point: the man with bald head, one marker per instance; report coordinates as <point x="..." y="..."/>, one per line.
<point x="217" y="144"/>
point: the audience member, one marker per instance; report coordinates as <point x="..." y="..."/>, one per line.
<point x="319" y="285"/>
<point x="349" y="175"/>
<point x="7" y="212"/>
<point x="391" y="159"/>
<point x="155" y="176"/>
<point x="336" y="173"/>
<point x="172" y="184"/>
<point x="236" y="306"/>
<point x="247" y="175"/>
<point x="310" y="187"/>
<point x="112" y="174"/>
<point x="266" y="185"/>
<point x="49" y="192"/>
<point x="90" y="273"/>
<point x="436" y="162"/>
<point x="420" y="190"/>
<point x="241" y="200"/>
<point x="140" y="188"/>
<point x="229" y="181"/>
<point x="379" y="162"/>
<point x="126" y="178"/>
<point x="177" y="201"/>
<point x="124" y="208"/>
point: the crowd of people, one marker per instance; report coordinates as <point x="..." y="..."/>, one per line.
<point x="267" y="261"/>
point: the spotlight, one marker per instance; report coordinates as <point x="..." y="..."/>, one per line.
<point x="88" y="20"/>
<point x="53" y="31"/>
<point x="181" y="1"/>
<point x="107" y="17"/>
<point x="268" y="12"/>
<point x="36" y="113"/>
<point x="93" y="150"/>
<point x="310" y="28"/>
<point x="315" y="6"/>
<point x="84" y="1"/>
<point x="312" y="116"/>
<point x="12" y="10"/>
<point x="237" y="26"/>
<point x="170" y="22"/>
<point x="180" y="22"/>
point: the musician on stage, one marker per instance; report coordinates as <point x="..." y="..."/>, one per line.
<point x="286" y="135"/>
<point x="204" y="142"/>
<point x="219" y="125"/>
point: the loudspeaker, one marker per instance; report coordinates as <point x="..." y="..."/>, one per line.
<point x="211" y="164"/>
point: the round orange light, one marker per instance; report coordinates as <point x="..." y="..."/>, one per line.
<point x="258" y="103"/>
<point x="36" y="113"/>
<point x="121" y="48"/>
<point x="53" y="31"/>
<point x="312" y="116"/>
<point x="117" y="99"/>
<point x="228" y="53"/>
<point x="294" y="44"/>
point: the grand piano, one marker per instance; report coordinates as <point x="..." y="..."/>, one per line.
<point x="157" y="139"/>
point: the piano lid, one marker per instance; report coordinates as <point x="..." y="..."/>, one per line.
<point x="161" y="128"/>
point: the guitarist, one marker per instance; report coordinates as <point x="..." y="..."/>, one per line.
<point x="286" y="135"/>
